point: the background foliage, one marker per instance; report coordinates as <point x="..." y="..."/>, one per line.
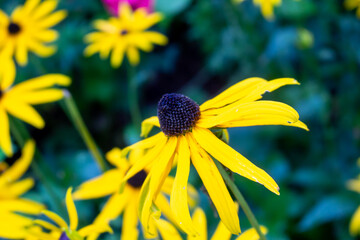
<point x="212" y="45"/>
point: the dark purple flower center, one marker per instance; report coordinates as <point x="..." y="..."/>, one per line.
<point x="64" y="236"/>
<point x="138" y="179"/>
<point x="14" y="28"/>
<point x="177" y="114"/>
<point x="1" y="94"/>
<point x="124" y="32"/>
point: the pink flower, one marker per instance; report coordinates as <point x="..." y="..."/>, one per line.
<point x="113" y="5"/>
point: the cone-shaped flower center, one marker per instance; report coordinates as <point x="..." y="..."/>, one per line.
<point x="177" y="114"/>
<point x="64" y="236"/>
<point x="14" y="28"/>
<point x="138" y="179"/>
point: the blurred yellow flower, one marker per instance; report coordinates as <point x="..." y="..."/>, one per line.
<point x="125" y="198"/>
<point x="27" y="29"/>
<point x="12" y="224"/>
<point x="185" y="134"/>
<point x="124" y="34"/>
<point x="266" y="6"/>
<point x="354" y="185"/>
<point x="63" y="231"/>
<point x="18" y="100"/>
<point x="353" y="4"/>
<point x="169" y="232"/>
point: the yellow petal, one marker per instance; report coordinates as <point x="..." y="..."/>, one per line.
<point x="40" y="49"/>
<point x="248" y="90"/>
<point x="221" y="233"/>
<point x="199" y="220"/>
<point x="46" y="225"/>
<point x="52" y="19"/>
<point x="73" y="216"/>
<point x="155" y="37"/>
<point x="5" y="139"/>
<point x="144" y="144"/>
<point x="21" y="165"/>
<point x="232" y="159"/>
<point x="18" y="188"/>
<point x="163" y="204"/>
<point x="148" y="124"/>
<point x="45" y="81"/>
<point x="30" y="5"/>
<point x="133" y="55"/>
<point x="21" y="52"/>
<point x="149" y="21"/>
<point x="101" y="186"/>
<point x="115" y="157"/>
<point x="8" y="71"/>
<point x="56" y="218"/>
<point x="251" y="234"/>
<point x="214" y="185"/>
<point x="94" y="229"/>
<point x="117" y="55"/>
<point x="130" y="221"/>
<point x="21" y="205"/>
<point x="178" y="198"/>
<point x="167" y="231"/>
<point x="42" y="96"/>
<point x="45" y="8"/>
<point x="355" y="223"/>
<point x="47" y="35"/>
<point x="13" y="226"/>
<point x="24" y="111"/>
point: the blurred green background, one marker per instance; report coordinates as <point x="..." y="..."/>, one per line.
<point x="212" y="45"/>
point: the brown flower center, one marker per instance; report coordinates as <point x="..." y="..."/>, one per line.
<point x="14" y="28"/>
<point x="138" y="179"/>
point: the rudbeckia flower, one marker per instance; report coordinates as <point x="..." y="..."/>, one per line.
<point x="266" y="6"/>
<point x="124" y="34"/>
<point x="18" y="100"/>
<point x="63" y="231"/>
<point x="169" y="232"/>
<point x="113" y="5"/>
<point x="125" y="198"/>
<point x="13" y="222"/>
<point x="185" y="134"/>
<point x="353" y="4"/>
<point x="27" y="29"/>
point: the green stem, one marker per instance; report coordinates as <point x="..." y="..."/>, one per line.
<point x="241" y="200"/>
<point x="77" y="120"/>
<point x="133" y="97"/>
<point x="21" y="135"/>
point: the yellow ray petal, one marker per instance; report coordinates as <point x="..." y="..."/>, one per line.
<point x="355" y="223"/>
<point x="133" y="55"/>
<point x="101" y="186"/>
<point x="47" y="35"/>
<point x="214" y="185"/>
<point x="5" y="139"/>
<point x="52" y="19"/>
<point x="24" y="111"/>
<point x="167" y="231"/>
<point x="251" y="234"/>
<point x="73" y="216"/>
<point x="45" y="8"/>
<point x="150" y="20"/>
<point x="144" y="144"/>
<point x="42" y="96"/>
<point x="12" y="232"/>
<point x="117" y="55"/>
<point x="8" y="72"/>
<point x="248" y="90"/>
<point x="130" y="221"/>
<point x="45" y="81"/>
<point x="21" y="165"/>
<point x="56" y="218"/>
<point x="148" y="124"/>
<point x="46" y="225"/>
<point x="18" y="188"/>
<point x="233" y="160"/>
<point x="21" y="52"/>
<point x="21" y="205"/>
<point x="155" y="37"/>
<point x="221" y="233"/>
<point x="178" y="198"/>
<point x="200" y="222"/>
<point x="40" y="49"/>
<point x="30" y="5"/>
<point x="163" y="204"/>
<point x="115" y="157"/>
<point x="94" y="229"/>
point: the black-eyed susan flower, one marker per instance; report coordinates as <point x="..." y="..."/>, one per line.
<point x="18" y="100"/>
<point x="125" y="198"/>
<point x="353" y="4"/>
<point x="169" y="232"/>
<point x="13" y="222"/>
<point x="266" y="7"/>
<point x="354" y="185"/>
<point x="27" y="29"/>
<point x="124" y="35"/>
<point x="64" y="231"/>
<point x="185" y="134"/>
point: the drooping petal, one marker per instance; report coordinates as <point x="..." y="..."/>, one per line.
<point x="167" y="231"/>
<point x="94" y="229"/>
<point x="221" y="233"/>
<point x="73" y="216"/>
<point x="56" y="218"/>
<point x="130" y="221"/>
<point x="214" y="185"/>
<point x="48" y="80"/>
<point x="148" y="124"/>
<point x="24" y="112"/>
<point x="200" y="223"/>
<point x="21" y="205"/>
<point x="355" y="223"/>
<point x="52" y="19"/>
<point x="133" y="55"/>
<point x="43" y="96"/>
<point x="115" y="157"/>
<point x="251" y="234"/>
<point x="46" y="225"/>
<point x="178" y="198"/>
<point x="16" y="189"/>
<point x="5" y="139"/>
<point x="117" y="55"/>
<point x="13" y="226"/>
<point x="8" y="71"/>
<point x="232" y="159"/>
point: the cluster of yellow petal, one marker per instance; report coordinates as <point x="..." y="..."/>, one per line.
<point x="124" y="34"/>
<point x="27" y="29"/>
<point x="353" y="4"/>
<point x="266" y="6"/>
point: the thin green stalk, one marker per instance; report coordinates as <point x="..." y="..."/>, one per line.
<point x="22" y="135"/>
<point x="133" y="97"/>
<point x="77" y="120"/>
<point x="241" y="200"/>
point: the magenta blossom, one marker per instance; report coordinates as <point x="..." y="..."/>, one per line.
<point x="113" y="5"/>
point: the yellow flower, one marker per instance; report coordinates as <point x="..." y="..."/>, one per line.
<point x="125" y="198"/>
<point x="124" y="34"/>
<point x="64" y="231"/>
<point x="27" y="29"/>
<point x="13" y="225"/>
<point x="353" y="4"/>
<point x="354" y="185"/>
<point x="169" y="232"/>
<point x="266" y="6"/>
<point x="18" y="100"/>
<point x="185" y="135"/>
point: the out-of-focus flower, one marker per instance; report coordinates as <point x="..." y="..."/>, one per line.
<point x="354" y="185"/>
<point x="305" y="39"/>
<point x="113" y="5"/>
<point x="18" y="100"/>
<point x="126" y="198"/>
<point x="353" y="4"/>
<point x="63" y="231"/>
<point x="266" y="6"/>
<point x="13" y="224"/>
<point x="185" y="134"/>
<point x="27" y="29"/>
<point x="169" y="232"/>
<point x="124" y="35"/>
